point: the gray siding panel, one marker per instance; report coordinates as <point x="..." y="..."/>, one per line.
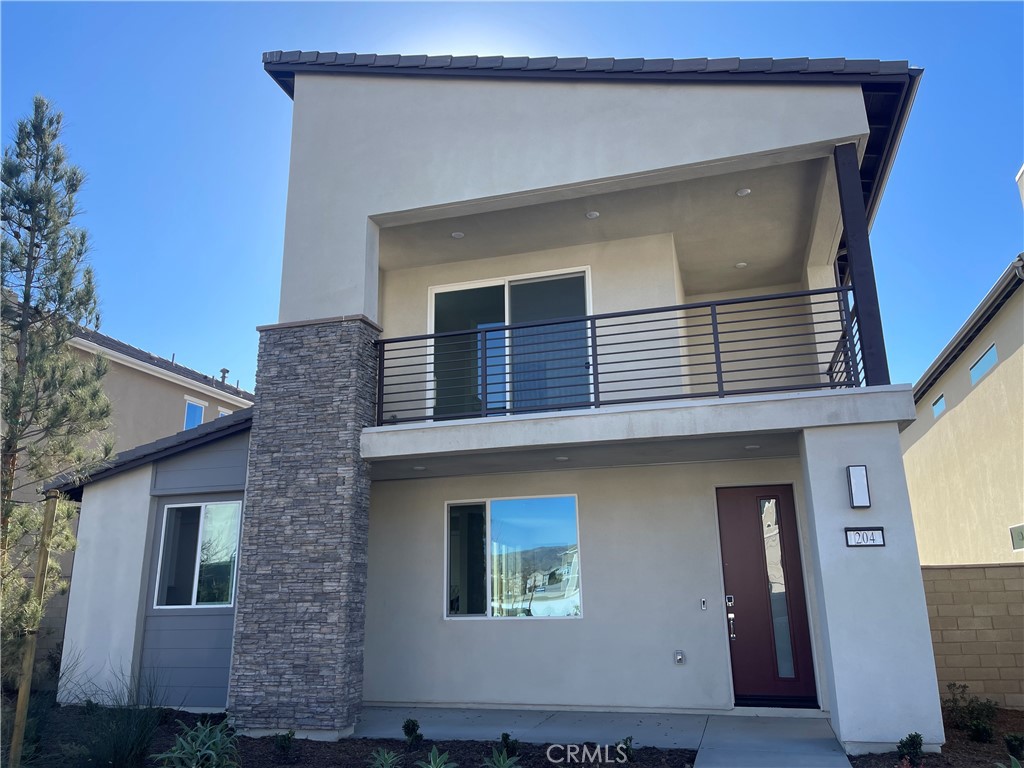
<point x="217" y="466"/>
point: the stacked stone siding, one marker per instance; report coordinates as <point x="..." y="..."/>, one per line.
<point x="977" y="620"/>
<point x="298" y="644"/>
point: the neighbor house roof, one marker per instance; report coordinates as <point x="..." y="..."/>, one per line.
<point x="219" y="428"/>
<point x="888" y="86"/>
<point x="1000" y="293"/>
<point x="110" y="344"/>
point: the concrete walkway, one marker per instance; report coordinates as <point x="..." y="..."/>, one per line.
<point x="722" y="741"/>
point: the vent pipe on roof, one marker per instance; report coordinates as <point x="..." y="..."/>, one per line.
<point x="224" y="375"/>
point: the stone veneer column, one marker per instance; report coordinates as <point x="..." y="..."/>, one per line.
<point x="297" y="660"/>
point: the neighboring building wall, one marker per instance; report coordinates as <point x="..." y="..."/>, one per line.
<point x="977" y="620"/>
<point x="147" y="407"/>
<point x="964" y="467"/>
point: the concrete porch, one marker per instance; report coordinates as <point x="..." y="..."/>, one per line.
<point x="722" y="741"/>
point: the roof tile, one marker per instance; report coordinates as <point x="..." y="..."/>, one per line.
<point x="390" y="60"/>
<point x="541" y="62"/>
<point x="754" y="65"/>
<point x="599" y="65"/>
<point x="462" y="62"/>
<point x="438" y="61"/>
<point x="826" y="65"/>
<point x="689" y="65"/>
<point x="514" y="62"/>
<point x="628" y="65"/>
<point x="489" y="62"/>
<point x="364" y="59"/>
<point x="789" y="65"/>
<point x="862" y="66"/>
<point x="289" y="57"/>
<point x="723" y="65"/>
<point x="657" y="65"/>
<point x="570" y="64"/>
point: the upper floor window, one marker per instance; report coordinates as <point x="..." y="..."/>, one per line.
<point x="983" y="364"/>
<point x="198" y="553"/>
<point x="938" y="406"/>
<point x="223" y="412"/>
<point x="513" y="558"/>
<point x="194" y="410"/>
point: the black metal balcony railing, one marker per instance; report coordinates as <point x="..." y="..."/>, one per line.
<point x="785" y="342"/>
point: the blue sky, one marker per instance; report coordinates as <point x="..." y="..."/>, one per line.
<point x="185" y="140"/>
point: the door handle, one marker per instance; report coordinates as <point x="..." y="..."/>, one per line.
<point x="732" y="625"/>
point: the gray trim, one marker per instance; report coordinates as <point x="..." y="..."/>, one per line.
<point x="998" y="295"/>
<point x="219" y="428"/>
<point x="319" y="321"/>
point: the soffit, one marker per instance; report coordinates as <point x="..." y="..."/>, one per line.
<point x="712" y="227"/>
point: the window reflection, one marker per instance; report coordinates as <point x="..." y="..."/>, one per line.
<point x="777" y="587"/>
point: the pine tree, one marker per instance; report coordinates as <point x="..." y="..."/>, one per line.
<point x="52" y="407"/>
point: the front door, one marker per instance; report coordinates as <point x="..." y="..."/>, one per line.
<point x="766" y="613"/>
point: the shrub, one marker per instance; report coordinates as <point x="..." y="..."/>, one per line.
<point x="1015" y="745"/>
<point x="500" y="759"/>
<point x="413" y="737"/>
<point x="204" y="746"/>
<point x="283" y="742"/>
<point x="384" y="758"/>
<point x="981" y="730"/>
<point x="509" y="745"/>
<point x="1014" y="763"/>
<point x="909" y="749"/>
<point x="434" y="760"/>
<point x="627" y="750"/>
<point x="964" y="709"/>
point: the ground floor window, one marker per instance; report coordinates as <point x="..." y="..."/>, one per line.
<point x="513" y="557"/>
<point x="198" y="554"/>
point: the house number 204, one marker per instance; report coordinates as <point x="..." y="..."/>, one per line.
<point x="865" y="537"/>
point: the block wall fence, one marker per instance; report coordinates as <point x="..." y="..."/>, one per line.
<point x="977" y="620"/>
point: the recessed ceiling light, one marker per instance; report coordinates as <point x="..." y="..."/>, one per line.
<point x="751" y="447"/>
<point x="593" y="214"/>
<point x="561" y="458"/>
<point x="458" y="235"/>
<point x="741" y="265"/>
<point x="419" y="469"/>
<point x="742" y="192"/>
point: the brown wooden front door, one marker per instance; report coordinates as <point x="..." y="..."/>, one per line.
<point x="766" y="612"/>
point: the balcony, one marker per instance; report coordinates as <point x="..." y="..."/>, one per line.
<point x="783" y="342"/>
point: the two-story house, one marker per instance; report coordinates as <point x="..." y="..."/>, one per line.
<point x="577" y="398"/>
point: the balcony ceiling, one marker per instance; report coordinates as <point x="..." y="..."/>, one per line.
<point x="713" y="228"/>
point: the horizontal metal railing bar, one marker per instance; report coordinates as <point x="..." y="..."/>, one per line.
<point x="626" y="313"/>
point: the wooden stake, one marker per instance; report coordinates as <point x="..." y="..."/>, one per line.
<point x="29" y="657"/>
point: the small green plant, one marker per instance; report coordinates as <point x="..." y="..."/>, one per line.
<point x="1015" y="744"/>
<point x="204" y="746"/>
<point x="627" y="750"/>
<point x="509" y="745"/>
<point x="963" y="708"/>
<point x="499" y="759"/>
<point x="981" y="731"/>
<point x="435" y="760"/>
<point x="283" y="742"/>
<point x="1014" y="763"/>
<point x="909" y="749"/>
<point x="384" y="758"/>
<point x="413" y="737"/>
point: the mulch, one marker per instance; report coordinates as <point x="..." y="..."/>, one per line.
<point x="959" y="751"/>
<point x="65" y="725"/>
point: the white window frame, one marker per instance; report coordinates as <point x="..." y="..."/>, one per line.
<point x="223" y="412"/>
<point x="505" y="281"/>
<point x="195" y="401"/>
<point x="199" y="543"/>
<point x="995" y="361"/>
<point x="487" y="528"/>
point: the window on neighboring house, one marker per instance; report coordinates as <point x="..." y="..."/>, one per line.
<point x="983" y="364"/>
<point x="938" y="406"/>
<point x="198" y="554"/>
<point x="223" y="412"/>
<point x="194" y="410"/>
<point x="513" y="558"/>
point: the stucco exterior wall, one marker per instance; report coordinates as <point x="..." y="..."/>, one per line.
<point x="977" y="619"/>
<point x="963" y="467"/>
<point x="104" y="612"/>
<point x="649" y="553"/>
<point x="430" y="144"/>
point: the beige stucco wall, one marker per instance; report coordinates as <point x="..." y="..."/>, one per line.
<point x="649" y="553"/>
<point x="964" y="468"/>
<point x="104" y="612"/>
<point x="431" y="144"/>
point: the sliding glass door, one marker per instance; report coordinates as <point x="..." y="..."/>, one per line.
<point x="482" y="368"/>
